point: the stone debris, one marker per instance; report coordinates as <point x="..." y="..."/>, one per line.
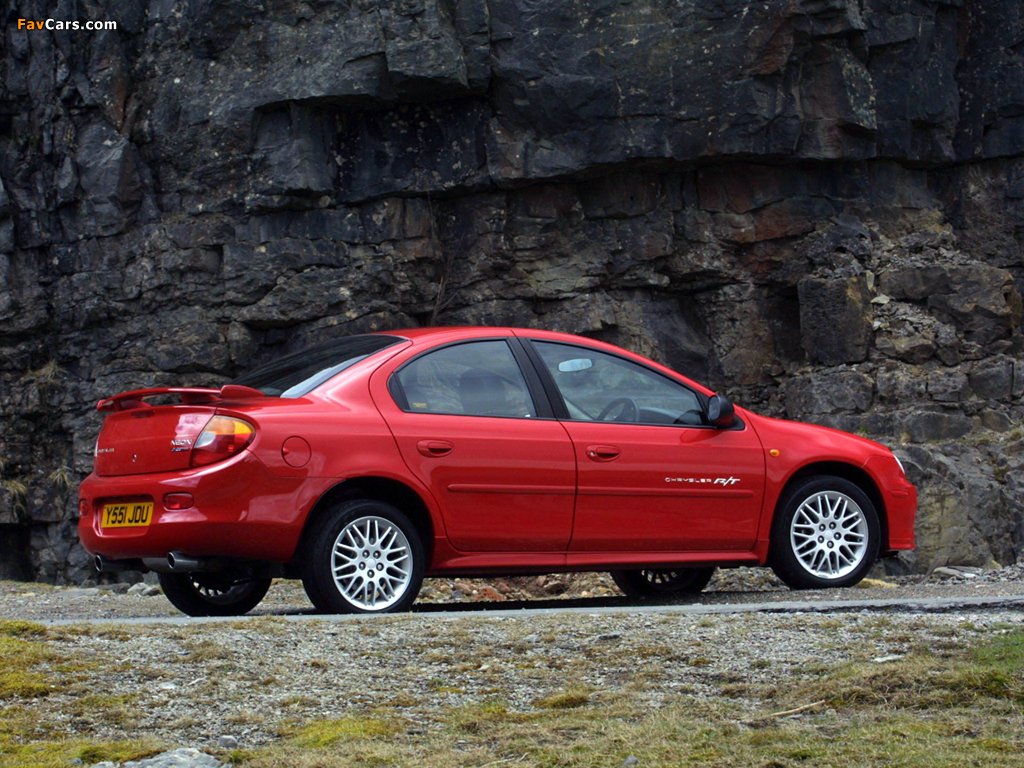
<point x="184" y="757"/>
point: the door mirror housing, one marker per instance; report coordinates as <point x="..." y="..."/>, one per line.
<point x="721" y="412"/>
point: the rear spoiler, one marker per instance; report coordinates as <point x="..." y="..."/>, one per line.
<point x="127" y="401"/>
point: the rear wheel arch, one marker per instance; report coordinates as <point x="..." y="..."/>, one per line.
<point x="850" y="472"/>
<point x="385" y="489"/>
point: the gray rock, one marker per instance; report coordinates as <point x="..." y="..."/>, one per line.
<point x="183" y="757"/>
<point x="630" y="761"/>
<point x="828" y="393"/>
<point x="227" y="742"/>
<point x="835" y="319"/>
<point x="924" y="426"/>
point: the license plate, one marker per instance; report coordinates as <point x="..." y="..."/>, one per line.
<point x="134" y="513"/>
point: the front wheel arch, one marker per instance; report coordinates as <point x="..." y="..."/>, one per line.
<point x="850" y="472"/>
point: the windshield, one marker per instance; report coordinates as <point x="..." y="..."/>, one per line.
<point x="297" y="374"/>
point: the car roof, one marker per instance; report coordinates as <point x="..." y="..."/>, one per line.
<point x="475" y="331"/>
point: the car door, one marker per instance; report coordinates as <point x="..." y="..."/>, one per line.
<point x="468" y="426"/>
<point x="651" y="475"/>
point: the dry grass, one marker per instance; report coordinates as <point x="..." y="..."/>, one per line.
<point x="20" y="677"/>
<point x="329" y="733"/>
<point x="62" y="477"/>
<point x="17" y="488"/>
<point x="568" y="699"/>
<point x="49" y="373"/>
<point x="954" y="699"/>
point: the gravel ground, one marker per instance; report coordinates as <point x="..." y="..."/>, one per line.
<point x="194" y="685"/>
<point x="251" y="684"/>
<point x="38" y="602"/>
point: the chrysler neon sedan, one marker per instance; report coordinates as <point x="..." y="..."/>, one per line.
<point x="366" y="463"/>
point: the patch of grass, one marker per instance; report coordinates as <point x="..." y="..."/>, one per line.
<point x="105" y="708"/>
<point x="204" y="651"/>
<point x="1005" y="652"/>
<point x="62" y="477"/>
<point x="19" y="628"/>
<point x="480" y="716"/>
<point x="925" y="681"/>
<point x="69" y="632"/>
<point x="117" y="751"/>
<point x="567" y="699"/>
<point x="16" y="488"/>
<point x="49" y="373"/>
<point x="18" y="677"/>
<point x="327" y="733"/>
<point x="57" y="754"/>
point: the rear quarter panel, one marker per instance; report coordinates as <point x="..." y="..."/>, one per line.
<point x="347" y="436"/>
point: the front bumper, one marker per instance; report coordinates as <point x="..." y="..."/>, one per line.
<point x="241" y="510"/>
<point x="900" y="499"/>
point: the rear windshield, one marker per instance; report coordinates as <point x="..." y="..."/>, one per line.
<point x="296" y="374"/>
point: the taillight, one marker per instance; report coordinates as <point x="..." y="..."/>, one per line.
<point x="222" y="438"/>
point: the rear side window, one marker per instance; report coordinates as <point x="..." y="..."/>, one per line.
<point x="479" y="378"/>
<point x="298" y="374"/>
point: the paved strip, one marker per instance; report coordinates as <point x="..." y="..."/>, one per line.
<point x="1013" y="603"/>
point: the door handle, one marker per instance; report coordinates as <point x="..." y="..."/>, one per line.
<point x="434" y="448"/>
<point x="602" y="452"/>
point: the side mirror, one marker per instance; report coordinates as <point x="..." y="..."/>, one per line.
<point x="720" y="412"/>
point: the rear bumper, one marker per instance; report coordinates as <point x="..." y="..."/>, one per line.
<point x="241" y="510"/>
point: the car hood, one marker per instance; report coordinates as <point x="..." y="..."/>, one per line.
<point x="825" y="439"/>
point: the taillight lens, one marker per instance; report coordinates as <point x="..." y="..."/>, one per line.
<point x="223" y="437"/>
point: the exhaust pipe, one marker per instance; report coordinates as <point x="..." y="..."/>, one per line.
<point x="103" y="565"/>
<point x="182" y="563"/>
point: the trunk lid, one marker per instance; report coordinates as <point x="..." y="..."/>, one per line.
<point x="138" y="438"/>
<point x="145" y="440"/>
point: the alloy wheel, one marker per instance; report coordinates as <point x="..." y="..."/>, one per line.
<point x="829" y="534"/>
<point x="371" y="563"/>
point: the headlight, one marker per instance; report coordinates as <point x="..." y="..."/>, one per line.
<point x="901" y="464"/>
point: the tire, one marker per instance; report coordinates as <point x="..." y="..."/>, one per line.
<point x="213" y="594"/>
<point x="802" y="553"/>
<point x="347" y="538"/>
<point x="663" y="582"/>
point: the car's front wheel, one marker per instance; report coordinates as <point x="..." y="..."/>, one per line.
<point x="213" y="594"/>
<point x="363" y="556"/>
<point x="826" y="534"/>
<point x="663" y="582"/>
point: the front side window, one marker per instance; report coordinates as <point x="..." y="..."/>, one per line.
<point x="298" y="374"/>
<point x="600" y="387"/>
<point x="479" y="378"/>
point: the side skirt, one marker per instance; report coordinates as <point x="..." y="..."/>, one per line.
<point x="489" y="563"/>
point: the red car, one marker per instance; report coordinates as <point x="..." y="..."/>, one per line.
<point x="366" y="463"/>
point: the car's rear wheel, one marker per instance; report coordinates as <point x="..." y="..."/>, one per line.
<point x="663" y="582"/>
<point x="224" y="593"/>
<point x="363" y="556"/>
<point x="826" y="534"/>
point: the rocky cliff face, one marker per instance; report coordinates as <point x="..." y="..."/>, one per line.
<point x="814" y="206"/>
